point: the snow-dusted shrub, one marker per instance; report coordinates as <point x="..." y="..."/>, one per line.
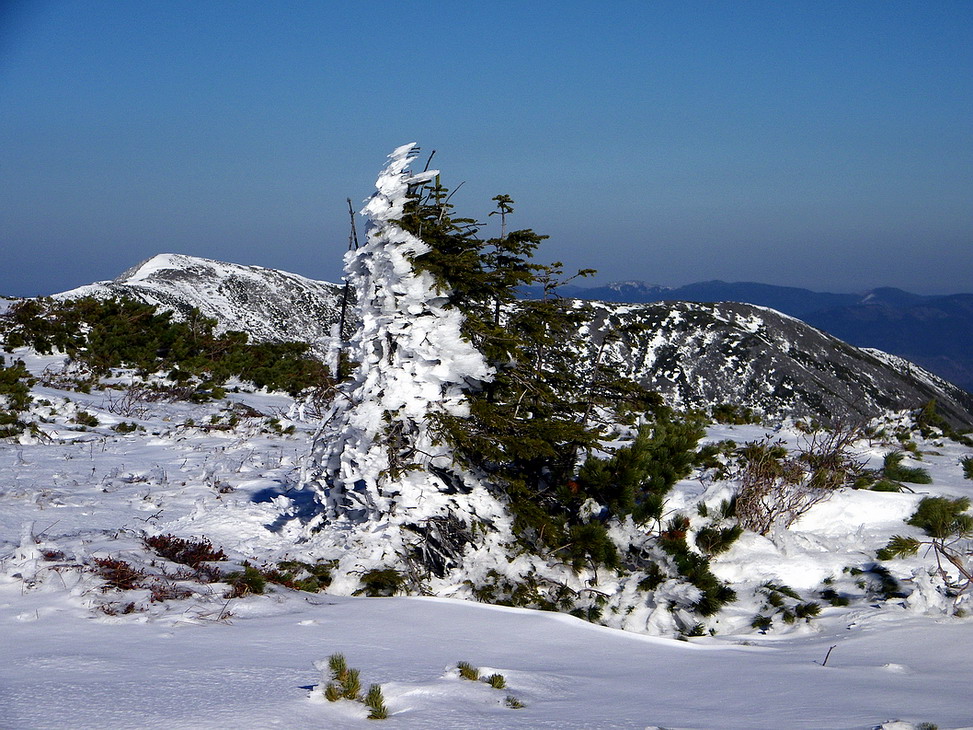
<point x="967" y="463"/>
<point x="119" y="574"/>
<point x="15" y="383"/>
<point x="193" y="553"/>
<point x="781" y="601"/>
<point x="949" y="531"/>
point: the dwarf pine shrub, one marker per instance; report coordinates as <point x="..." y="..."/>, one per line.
<point x="381" y="582"/>
<point x="345" y="684"/>
<point x="941" y="517"/>
<point x="247" y="581"/>
<point x="105" y="334"/>
<point x="894" y="470"/>
<point x="375" y="702"/>
<point x="15" y="382"/>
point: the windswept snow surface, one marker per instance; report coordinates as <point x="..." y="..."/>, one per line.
<point x="65" y="669"/>
<point x="74" y="494"/>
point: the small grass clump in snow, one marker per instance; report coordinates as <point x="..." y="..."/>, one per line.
<point x="497" y="681"/>
<point x="245" y="582"/>
<point x="468" y="671"/>
<point x="345" y="684"/>
<point x="375" y="702"/>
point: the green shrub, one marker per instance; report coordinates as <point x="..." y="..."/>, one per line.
<point x="967" y="463"/>
<point x="126" y="427"/>
<point x="375" y="702"/>
<point x="834" y="598"/>
<point x="106" y="334"/>
<point x="497" y="681"/>
<point x="249" y="580"/>
<point x="731" y="414"/>
<point x="886" y="485"/>
<point x="894" y="470"/>
<point x="15" y="398"/>
<point x="381" y="582"/>
<point x="636" y="479"/>
<point x="590" y="543"/>
<point x="468" y="671"/>
<point x="84" y="418"/>
<point x="302" y="576"/>
<point x="714" y="540"/>
<point x="899" y="547"/>
<point x="941" y="517"/>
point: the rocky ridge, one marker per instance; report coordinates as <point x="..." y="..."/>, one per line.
<point x="695" y="354"/>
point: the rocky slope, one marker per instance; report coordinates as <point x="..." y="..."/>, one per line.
<point x="270" y="305"/>
<point x="695" y="354"/>
<point x="932" y="331"/>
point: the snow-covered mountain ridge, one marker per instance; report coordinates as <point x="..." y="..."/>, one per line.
<point x="268" y="304"/>
<point x="930" y="330"/>
<point x="695" y="354"/>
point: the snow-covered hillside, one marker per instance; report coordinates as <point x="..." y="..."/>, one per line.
<point x="695" y="355"/>
<point x="177" y="653"/>
<point x="268" y="304"/>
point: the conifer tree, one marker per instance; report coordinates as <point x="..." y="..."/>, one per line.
<point x="459" y="386"/>
<point x="377" y="456"/>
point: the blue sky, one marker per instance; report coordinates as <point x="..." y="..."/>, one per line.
<point x="823" y="144"/>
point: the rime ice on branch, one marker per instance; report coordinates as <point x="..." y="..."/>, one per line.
<point x="374" y="456"/>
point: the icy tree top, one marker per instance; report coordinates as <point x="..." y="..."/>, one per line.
<point x="392" y="187"/>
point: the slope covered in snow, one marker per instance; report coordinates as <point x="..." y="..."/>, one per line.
<point x="269" y="305"/>
<point x="695" y="354"/>
<point x="175" y="652"/>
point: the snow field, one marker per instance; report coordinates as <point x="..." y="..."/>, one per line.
<point x="204" y="662"/>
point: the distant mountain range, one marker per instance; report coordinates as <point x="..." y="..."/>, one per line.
<point x="935" y="332"/>
<point x="694" y="354"/>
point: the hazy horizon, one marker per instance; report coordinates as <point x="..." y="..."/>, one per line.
<point x="826" y="146"/>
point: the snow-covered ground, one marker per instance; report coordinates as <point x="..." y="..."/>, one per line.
<point x="73" y="655"/>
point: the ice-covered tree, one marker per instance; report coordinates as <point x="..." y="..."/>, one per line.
<point x="376" y="456"/>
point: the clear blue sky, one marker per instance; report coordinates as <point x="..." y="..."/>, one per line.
<point x="819" y="144"/>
